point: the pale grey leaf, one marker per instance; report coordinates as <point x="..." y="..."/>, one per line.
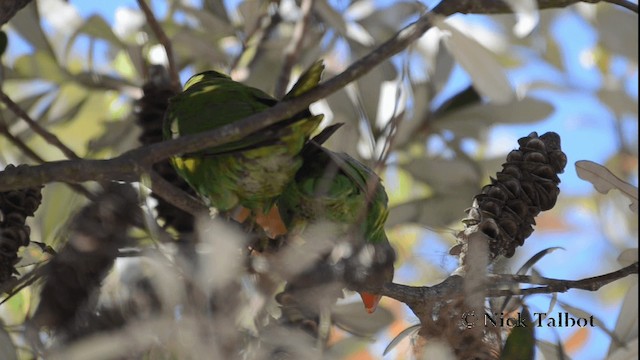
<point x="580" y="313"/>
<point x="604" y="180"/>
<point x="331" y="16"/>
<point x="471" y="120"/>
<point x="619" y="101"/>
<point x="552" y="351"/>
<point x="403" y="334"/>
<point x="96" y="27"/>
<point x="481" y="64"/>
<point x="212" y="24"/>
<point x="346" y="348"/>
<point x="527" y="14"/>
<point x="628" y="257"/>
<point x="27" y="23"/>
<point x="250" y="11"/>
<point x="353" y="318"/>
<point x="535" y="258"/>
<point x="443" y="174"/>
<point x="444" y="63"/>
<point x="436" y="211"/>
<point x="61" y="15"/>
<point x="630" y="352"/>
<point x="369" y="86"/>
<point x="384" y="22"/>
<point x="437" y="349"/>
<point x="618" y="31"/>
<point x="626" y="328"/>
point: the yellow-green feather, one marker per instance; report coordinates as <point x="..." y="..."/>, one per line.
<point x="254" y="170"/>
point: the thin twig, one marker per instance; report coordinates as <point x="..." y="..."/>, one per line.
<point x="292" y="52"/>
<point x="175" y="196"/>
<point x="46" y="135"/>
<point x="4" y="130"/>
<point x="164" y="40"/>
<point x="258" y="34"/>
<point x="554" y="285"/>
<point x="17" y="142"/>
<point x="416" y="295"/>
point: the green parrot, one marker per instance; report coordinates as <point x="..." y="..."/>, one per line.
<point x="252" y="171"/>
<point x="335" y="187"/>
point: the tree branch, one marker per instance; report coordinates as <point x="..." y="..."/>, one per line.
<point x="8" y="8"/>
<point x="164" y="40"/>
<point x="130" y="166"/>
<point x="414" y="296"/>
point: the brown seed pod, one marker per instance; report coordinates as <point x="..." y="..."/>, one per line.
<point x="528" y="184"/>
<point x="150" y="111"/>
<point x="15" y="207"/>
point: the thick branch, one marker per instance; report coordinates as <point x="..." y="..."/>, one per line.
<point x="129" y="166"/>
<point x="416" y="295"/>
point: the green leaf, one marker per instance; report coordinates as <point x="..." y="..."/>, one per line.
<point x="520" y="344"/>
<point x="40" y="65"/>
<point x="67" y="104"/>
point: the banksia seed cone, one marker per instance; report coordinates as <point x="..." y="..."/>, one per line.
<point x="150" y="114"/>
<point x="15" y="206"/>
<point x="527" y="185"/>
<point x="95" y="235"/>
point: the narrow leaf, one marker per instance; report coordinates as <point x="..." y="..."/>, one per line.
<point x="527" y="14"/>
<point x="604" y="180"/>
<point x="552" y="351"/>
<point x="626" y="327"/>
<point x="353" y="318"/>
<point x="403" y="334"/>
<point x="537" y="257"/>
<point x="480" y="63"/>
<point x="628" y="257"/>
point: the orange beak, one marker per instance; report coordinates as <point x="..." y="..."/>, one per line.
<point x="370" y="301"/>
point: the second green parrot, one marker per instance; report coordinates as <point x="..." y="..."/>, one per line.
<point x="335" y="187"/>
<point x="254" y="170"/>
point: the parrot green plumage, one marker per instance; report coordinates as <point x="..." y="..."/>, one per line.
<point x="251" y="171"/>
<point x="337" y="188"/>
